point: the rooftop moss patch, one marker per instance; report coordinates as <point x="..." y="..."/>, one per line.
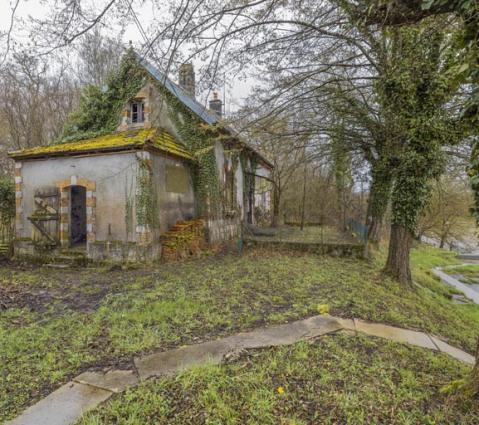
<point x="157" y="137"/>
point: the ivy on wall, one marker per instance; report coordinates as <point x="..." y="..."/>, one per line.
<point x="100" y="108"/>
<point x="200" y="140"/>
<point x="129" y="205"/>
<point x="249" y="164"/>
<point x="100" y="113"/>
<point x="146" y="199"/>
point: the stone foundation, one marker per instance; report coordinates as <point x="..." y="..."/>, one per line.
<point x="222" y="230"/>
<point x="124" y="252"/>
<point x="97" y="251"/>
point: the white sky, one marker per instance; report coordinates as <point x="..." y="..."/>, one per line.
<point x="39" y="8"/>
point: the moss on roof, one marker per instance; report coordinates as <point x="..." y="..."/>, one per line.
<point x="164" y="141"/>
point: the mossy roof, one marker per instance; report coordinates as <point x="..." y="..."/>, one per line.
<point x="156" y="137"/>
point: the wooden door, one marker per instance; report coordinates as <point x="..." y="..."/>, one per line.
<point x="46" y="217"/>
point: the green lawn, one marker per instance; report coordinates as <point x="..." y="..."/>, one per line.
<point x="59" y="323"/>
<point x="339" y="379"/>
<point x="469" y="273"/>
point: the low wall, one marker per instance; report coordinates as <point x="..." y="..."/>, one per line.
<point x="335" y="250"/>
<point x="222" y="230"/>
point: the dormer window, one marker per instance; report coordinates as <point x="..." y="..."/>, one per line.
<point x="137" y="111"/>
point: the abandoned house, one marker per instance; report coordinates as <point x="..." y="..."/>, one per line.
<point x="154" y="157"/>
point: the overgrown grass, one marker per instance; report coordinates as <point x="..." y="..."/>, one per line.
<point x="470" y="273"/>
<point x="336" y="380"/>
<point x="312" y="234"/>
<point x="94" y="318"/>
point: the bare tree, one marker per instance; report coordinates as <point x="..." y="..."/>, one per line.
<point x="98" y="56"/>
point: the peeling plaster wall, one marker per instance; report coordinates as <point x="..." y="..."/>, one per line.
<point x="172" y="206"/>
<point x="109" y="173"/>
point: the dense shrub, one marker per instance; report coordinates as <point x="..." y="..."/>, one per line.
<point x="7" y="209"/>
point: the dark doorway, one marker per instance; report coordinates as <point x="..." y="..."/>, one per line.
<point x="78" y="215"/>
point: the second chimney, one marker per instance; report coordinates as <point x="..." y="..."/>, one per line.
<point x="216" y="105"/>
<point x="187" y="78"/>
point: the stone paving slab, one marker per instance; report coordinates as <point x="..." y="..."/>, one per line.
<point x="115" y="381"/>
<point x="396" y="334"/>
<point x="453" y="351"/>
<point x="68" y="403"/>
<point x="347" y="323"/>
<point x="62" y="407"/>
<point x="468" y="292"/>
<point x="287" y="334"/>
<point x="169" y="362"/>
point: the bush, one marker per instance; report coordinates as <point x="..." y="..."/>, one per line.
<point x="7" y="209"/>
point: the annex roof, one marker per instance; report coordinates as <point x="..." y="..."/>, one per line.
<point x="155" y="137"/>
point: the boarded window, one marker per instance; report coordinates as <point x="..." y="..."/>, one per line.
<point x="176" y="179"/>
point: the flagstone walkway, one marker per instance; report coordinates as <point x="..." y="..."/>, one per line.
<point x="88" y="390"/>
<point x="468" y="291"/>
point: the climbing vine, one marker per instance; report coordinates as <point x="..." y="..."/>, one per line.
<point x="249" y="164"/>
<point x="413" y="99"/>
<point x="380" y="190"/>
<point x="129" y="205"/>
<point x="146" y="199"/>
<point x="200" y="140"/>
<point x="100" y="113"/>
<point x="7" y="209"/>
<point x="100" y="108"/>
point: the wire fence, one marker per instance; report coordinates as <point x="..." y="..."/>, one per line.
<point x="359" y="229"/>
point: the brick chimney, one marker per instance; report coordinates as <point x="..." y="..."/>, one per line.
<point x="216" y="105"/>
<point x="187" y="78"/>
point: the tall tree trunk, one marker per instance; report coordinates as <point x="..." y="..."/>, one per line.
<point x="378" y="201"/>
<point x="443" y="241"/>
<point x="276" y="203"/>
<point x="304" y="197"/>
<point x="397" y="264"/>
<point x="374" y="236"/>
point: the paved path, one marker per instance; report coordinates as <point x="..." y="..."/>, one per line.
<point x="88" y="390"/>
<point x="468" y="291"/>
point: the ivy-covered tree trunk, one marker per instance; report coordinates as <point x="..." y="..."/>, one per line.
<point x="378" y="201"/>
<point x="342" y="179"/>
<point x="409" y="196"/>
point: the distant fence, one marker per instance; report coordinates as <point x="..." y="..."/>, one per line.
<point x="358" y="228"/>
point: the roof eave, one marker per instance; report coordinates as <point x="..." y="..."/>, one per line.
<point x="72" y="153"/>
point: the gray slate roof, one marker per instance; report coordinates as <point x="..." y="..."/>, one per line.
<point x="201" y="110"/>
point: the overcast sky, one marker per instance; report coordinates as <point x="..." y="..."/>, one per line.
<point x="39" y="9"/>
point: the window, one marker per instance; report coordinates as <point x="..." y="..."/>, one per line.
<point x="137" y="112"/>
